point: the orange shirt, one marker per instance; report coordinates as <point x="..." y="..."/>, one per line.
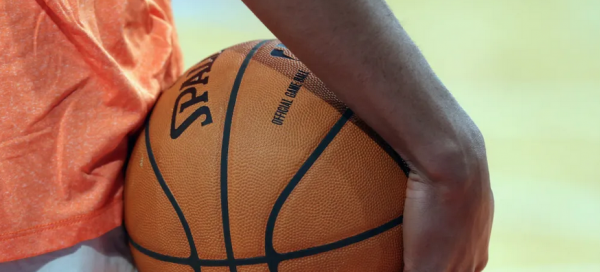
<point x="76" y="80"/>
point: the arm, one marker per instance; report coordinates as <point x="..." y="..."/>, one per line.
<point x="361" y="52"/>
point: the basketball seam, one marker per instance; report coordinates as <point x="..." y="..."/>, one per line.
<point x="273" y="257"/>
<point x="225" y="155"/>
<point x="284" y="256"/>
<point x="193" y="260"/>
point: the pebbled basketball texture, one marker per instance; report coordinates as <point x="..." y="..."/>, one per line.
<point x="249" y="163"/>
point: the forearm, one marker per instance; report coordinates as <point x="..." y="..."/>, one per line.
<point x="362" y="53"/>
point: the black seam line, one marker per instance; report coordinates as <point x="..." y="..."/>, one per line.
<point x="342" y="243"/>
<point x="193" y="253"/>
<point x="283" y="256"/>
<point x="224" y="155"/>
<point x="273" y="257"/>
<point x="158" y="256"/>
<point x="397" y="158"/>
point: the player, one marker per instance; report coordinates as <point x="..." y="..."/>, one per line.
<point x="78" y="77"/>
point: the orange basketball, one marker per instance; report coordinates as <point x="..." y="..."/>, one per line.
<point x="249" y="163"/>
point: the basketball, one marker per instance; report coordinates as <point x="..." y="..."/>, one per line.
<point x="249" y="163"/>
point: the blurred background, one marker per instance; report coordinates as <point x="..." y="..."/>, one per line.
<point x="528" y="73"/>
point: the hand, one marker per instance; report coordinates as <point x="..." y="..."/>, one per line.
<point x="447" y="221"/>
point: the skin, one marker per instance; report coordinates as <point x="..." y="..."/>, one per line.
<point x="359" y="49"/>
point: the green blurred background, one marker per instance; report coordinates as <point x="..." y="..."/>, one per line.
<point x="528" y="72"/>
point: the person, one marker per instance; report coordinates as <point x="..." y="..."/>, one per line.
<point x="78" y="77"/>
